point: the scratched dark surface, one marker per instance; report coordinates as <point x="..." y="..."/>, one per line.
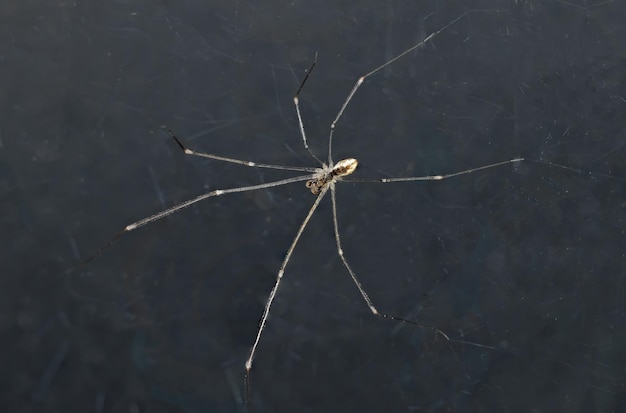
<point x="527" y="258"/>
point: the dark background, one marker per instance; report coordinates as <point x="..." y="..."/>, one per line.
<point x="526" y="258"/>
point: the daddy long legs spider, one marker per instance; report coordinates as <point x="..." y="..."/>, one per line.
<point x="320" y="180"/>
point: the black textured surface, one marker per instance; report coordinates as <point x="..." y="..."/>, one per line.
<point x="528" y="259"/>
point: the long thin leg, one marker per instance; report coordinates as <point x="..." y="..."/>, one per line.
<point x="296" y="102"/>
<point x="270" y="299"/>
<point x="441" y="177"/>
<point x="581" y="172"/>
<point x="188" y="151"/>
<point x="366" y="297"/>
<point x="178" y="207"/>
<point x="361" y="79"/>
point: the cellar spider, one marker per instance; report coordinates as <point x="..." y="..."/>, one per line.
<point x="320" y="181"/>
